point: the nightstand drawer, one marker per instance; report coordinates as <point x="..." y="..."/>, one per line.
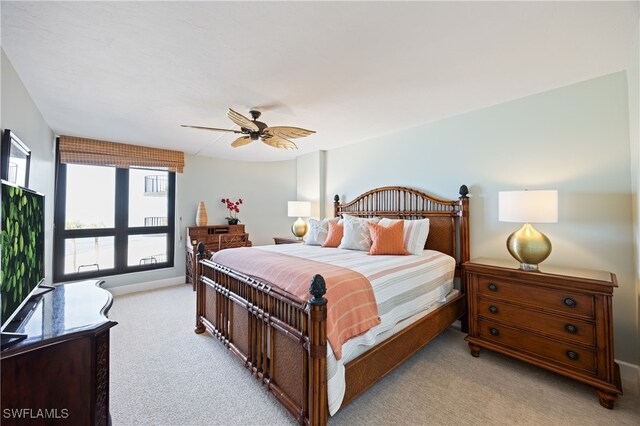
<point x="567" y="328"/>
<point x="539" y="346"/>
<point x="552" y="299"/>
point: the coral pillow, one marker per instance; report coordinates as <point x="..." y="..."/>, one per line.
<point x="318" y="230"/>
<point x="334" y="236"/>
<point x="415" y="233"/>
<point x="387" y="239"/>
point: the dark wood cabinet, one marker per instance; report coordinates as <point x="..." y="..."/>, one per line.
<point x="560" y="319"/>
<point x="60" y="373"/>
<point x="287" y="240"/>
<point x="214" y="238"/>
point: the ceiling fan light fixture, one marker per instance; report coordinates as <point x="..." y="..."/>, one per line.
<point x="276" y="136"/>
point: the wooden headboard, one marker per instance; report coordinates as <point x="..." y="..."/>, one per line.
<point x="448" y="220"/>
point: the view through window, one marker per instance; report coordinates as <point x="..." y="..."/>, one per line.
<point x="112" y="221"/>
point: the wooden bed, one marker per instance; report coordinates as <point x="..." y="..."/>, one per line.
<point x="283" y="341"/>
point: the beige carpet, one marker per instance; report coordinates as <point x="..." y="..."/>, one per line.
<point x="162" y="373"/>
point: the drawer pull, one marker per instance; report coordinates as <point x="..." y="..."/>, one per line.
<point x="571" y="328"/>
<point x="493" y="287"/>
<point x="569" y="302"/>
<point x="494" y="331"/>
<point x="572" y="355"/>
<point x="493" y="309"/>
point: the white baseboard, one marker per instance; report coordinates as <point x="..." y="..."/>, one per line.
<point x="150" y="285"/>
<point x="629" y="372"/>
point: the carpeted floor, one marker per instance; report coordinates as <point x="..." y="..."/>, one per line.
<point x="162" y="373"/>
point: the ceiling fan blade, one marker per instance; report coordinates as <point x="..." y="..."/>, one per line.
<point x="242" y="121"/>
<point x="279" y="142"/>
<point x="288" y="132"/>
<point x="241" y="141"/>
<point x="211" y="128"/>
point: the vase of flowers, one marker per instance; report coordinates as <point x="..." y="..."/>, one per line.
<point x="234" y="209"/>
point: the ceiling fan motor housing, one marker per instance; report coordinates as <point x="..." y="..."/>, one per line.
<point x="260" y="124"/>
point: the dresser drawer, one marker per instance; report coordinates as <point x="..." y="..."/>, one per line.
<point x="570" y="329"/>
<point x="236" y="229"/>
<point x="538" y="346"/>
<point x="558" y="300"/>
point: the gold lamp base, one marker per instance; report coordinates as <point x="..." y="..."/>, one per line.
<point x="299" y="228"/>
<point x="529" y="247"/>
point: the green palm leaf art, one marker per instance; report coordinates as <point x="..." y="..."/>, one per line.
<point x="22" y="246"/>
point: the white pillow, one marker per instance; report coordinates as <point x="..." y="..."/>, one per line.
<point x="318" y="230"/>
<point x="356" y="233"/>
<point x="415" y="233"/>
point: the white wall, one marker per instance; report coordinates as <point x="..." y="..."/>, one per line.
<point x="265" y="188"/>
<point x="21" y="116"/>
<point x="310" y="181"/>
<point x="574" y="139"/>
<point x="634" y="135"/>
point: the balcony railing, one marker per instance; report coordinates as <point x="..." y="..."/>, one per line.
<point x="13" y="172"/>
<point x="156" y="221"/>
<point x="156" y="258"/>
<point x="155" y="185"/>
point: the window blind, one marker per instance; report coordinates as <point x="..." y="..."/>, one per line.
<point x="75" y="150"/>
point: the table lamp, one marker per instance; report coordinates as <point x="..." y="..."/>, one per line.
<point x="299" y="209"/>
<point x="526" y="245"/>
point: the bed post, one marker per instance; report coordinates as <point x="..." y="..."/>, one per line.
<point x="196" y="282"/>
<point x="464" y="224"/>
<point x="317" y="395"/>
<point x="336" y="203"/>
<point x="464" y="246"/>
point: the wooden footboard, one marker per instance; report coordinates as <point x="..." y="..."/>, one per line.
<point x="281" y="341"/>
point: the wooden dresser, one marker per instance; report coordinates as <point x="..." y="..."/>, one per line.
<point x="60" y="373"/>
<point x="557" y="318"/>
<point x="215" y="238"/>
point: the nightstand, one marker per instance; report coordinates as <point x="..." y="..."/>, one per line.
<point x="286" y="240"/>
<point x="560" y="319"/>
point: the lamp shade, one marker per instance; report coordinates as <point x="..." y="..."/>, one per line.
<point x="528" y="206"/>
<point x="299" y="208"/>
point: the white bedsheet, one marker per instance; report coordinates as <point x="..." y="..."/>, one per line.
<point x="404" y="286"/>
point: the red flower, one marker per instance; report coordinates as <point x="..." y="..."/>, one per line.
<point x="232" y="206"/>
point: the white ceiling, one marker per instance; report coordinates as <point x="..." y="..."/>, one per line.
<point x="134" y="71"/>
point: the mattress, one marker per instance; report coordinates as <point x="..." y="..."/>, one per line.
<point x="405" y="287"/>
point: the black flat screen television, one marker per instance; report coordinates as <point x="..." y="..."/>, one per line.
<point x="22" y="248"/>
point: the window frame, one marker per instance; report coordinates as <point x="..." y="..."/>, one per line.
<point x="121" y="230"/>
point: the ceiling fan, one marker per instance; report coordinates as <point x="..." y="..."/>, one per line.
<point x="276" y="136"/>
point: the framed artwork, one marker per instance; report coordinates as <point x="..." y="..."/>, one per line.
<point x="15" y="161"/>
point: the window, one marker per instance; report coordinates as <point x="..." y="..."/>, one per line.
<point x="112" y="221"/>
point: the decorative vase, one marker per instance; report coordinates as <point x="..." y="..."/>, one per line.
<point x="233" y="221"/>
<point x="201" y="215"/>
